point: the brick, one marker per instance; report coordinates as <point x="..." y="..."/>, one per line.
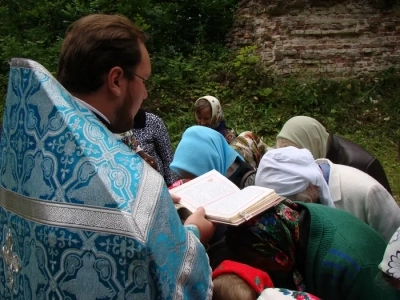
<point x="367" y="50"/>
<point x="322" y="38"/>
<point x="267" y="44"/>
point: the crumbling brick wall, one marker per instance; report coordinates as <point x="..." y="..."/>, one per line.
<point x="335" y="38"/>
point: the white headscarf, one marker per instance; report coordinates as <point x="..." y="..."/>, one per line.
<point x="391" y="259"/>
<point x="289" y="171"/>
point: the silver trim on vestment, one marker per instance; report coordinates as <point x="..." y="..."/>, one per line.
<point x="150" y="188"/>
<point x="69" y="215"/>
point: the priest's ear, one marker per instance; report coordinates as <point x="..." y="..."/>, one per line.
<point x="115" y="80"/>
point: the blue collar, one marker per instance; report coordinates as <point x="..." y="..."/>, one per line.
<point x="326" y="169"/>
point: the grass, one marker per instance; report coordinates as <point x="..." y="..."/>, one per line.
<point x="386" y="152"/>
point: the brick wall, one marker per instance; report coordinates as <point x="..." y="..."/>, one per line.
<point x="336" y="38"/>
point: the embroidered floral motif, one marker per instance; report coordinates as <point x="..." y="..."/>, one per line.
<point x="394" y="265"/>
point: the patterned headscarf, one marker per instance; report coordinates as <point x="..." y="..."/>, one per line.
<point x="273" y="235"/>
<point x="391" y="259"/>
<point x="307" y="133"/>
<point x="289" y="171"/>
<point x="250" y="146"/>
<point x="201" y="150"/>
<point x="216" y="110"/>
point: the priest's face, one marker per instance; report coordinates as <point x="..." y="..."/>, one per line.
<point x="134" y="94"/>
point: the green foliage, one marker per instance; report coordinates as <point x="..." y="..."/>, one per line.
<point x="180" y="24"/>
<point x="34" y="29"/>
<point x="190" y="61"/>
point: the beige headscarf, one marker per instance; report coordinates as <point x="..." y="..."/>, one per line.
<point x="307" y="133"/>
<point x="216" y="110"/>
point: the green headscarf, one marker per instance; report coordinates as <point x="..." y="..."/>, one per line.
<point x="307" y="133"/>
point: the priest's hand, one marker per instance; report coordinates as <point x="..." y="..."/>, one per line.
<point x="175" y="198"/>
<point x="205" y="227"/>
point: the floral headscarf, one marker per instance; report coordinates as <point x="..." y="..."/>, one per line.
<point x="250" y="146"/>
<point x="129" y="139"/>
<point x="273" y="234"/>
<point x="216" y="110"/>
<point x="391" y="259"/>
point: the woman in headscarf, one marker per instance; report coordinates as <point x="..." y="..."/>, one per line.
<point x="310" y="247"/>
<point x="250" y="147"/>
<point x="306" y="132"/>
<point x="208" y="112"/>
<point x="294" y="173"/>
<point x="152" y="136"/>
<point x="202" y="149"/>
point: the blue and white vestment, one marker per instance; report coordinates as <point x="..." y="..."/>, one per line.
<point x="81" y="215"/>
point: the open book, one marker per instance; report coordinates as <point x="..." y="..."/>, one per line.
<point x="222" y="200"/>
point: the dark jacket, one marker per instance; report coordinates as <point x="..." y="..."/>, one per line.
<point x="244" y="175"/>
<point x="344" y="152"/>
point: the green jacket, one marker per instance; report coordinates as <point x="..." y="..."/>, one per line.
<point x="343" y="254"/>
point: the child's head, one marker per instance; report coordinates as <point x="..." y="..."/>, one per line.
<point x="233" y="280"/>
<point x="232" y="287"/>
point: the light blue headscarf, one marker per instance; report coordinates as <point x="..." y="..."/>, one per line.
<point x="201" y="150"/>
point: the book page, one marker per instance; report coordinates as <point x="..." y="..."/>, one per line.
<point x="235" y="203"/>
<point x="204" y="190"/>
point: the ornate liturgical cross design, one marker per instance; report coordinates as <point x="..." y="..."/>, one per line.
<point x="10" y="259"/>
